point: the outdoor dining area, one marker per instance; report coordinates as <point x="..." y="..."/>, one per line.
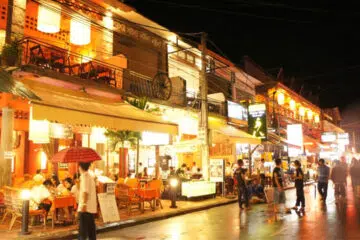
<point x="44" y="200"/>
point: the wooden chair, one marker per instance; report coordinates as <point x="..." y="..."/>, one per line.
<point x="157" y="184"/>
<point x="126" y="197"/>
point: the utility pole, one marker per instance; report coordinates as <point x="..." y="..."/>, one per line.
<point x="203" y="124"/>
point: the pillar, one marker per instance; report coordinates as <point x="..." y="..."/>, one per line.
<point x="15" y="19"/>
<point x="6" y="149"/>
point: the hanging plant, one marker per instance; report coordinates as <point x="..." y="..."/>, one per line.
<point x="11" y="53"/>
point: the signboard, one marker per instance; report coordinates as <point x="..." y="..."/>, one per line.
<point x="295" y="134"/>
<point x="108" y="207"/>
<point x="110" y="188"/>
<point x="152" y="139"/>
<point x="343" y="138"/>
<point x="328" y="137"/>
<point x="237" y="111"/>
<point x="257" y="120"/>
<point x="217" y="169"/>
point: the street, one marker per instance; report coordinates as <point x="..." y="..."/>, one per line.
<point x="330" y="221"/>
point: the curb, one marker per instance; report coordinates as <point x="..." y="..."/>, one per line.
<point x="129" y="223"/>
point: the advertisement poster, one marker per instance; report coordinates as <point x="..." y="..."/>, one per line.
<point x="257" y="120"/>
<point x="217" y="170"/>
<point x="295" y="134"/>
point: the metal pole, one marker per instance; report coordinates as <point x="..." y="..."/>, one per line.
<point x="25" y="218"/>
<point x="203" y="130"/>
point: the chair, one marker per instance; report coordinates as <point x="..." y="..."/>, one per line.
<point x="125" y="196"/>
<point x="157" y="184"/>
<point x="15" y="210"/>
<point x="133" y="182"/>
<point x="7" y="203"/>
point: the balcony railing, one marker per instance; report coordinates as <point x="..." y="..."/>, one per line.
<point x="213" y="106"/>
<point x="47" y="56"/>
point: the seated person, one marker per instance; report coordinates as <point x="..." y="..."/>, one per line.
<point x="41" y="197"/>
<point x="256" y="192"/>
<point x="64" y="188"/>
<point x="76" y="187"/>
<point x="38" y="176"/>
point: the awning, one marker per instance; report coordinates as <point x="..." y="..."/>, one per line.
<point x="80" y="108"/>
<point x="231" y="133"/>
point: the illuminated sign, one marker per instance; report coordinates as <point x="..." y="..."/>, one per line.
<point x="343" y="138"/>
<point x="152" y="139"/>
<point x="236" y="111"/>
<point x="217" y="170"/>
<point x="257" y="120"/>
<point x="295" y="134"/>
<point x="328" y="137"/>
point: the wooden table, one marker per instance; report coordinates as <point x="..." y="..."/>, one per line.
<point x="61" y="202"/>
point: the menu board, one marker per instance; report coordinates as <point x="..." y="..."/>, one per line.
<point x="217" y="170"/>
<point x="108" y="207"/>
<point x="257" y="120"/>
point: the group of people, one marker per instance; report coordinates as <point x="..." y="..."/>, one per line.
<point x="82" y="186"/>
<point x="337" y="175"/>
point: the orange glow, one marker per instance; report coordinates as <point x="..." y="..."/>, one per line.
<point x="309" y="114"/>
<point x="302" y="111"/>
<point x="49" y="18"/>
<point x="317" y="118"/>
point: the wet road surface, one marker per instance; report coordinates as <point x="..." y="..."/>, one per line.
<point x="321" y="221"/>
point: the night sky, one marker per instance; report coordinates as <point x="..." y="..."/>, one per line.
<point x="316" y="43"/>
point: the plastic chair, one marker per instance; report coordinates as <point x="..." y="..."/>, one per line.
<point x="132" y="183"/>
<point x="158" y="186"/>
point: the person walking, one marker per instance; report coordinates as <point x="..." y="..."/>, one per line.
<point x="241" y="182"/>
<point x="323" y="173"/>
<point x="338" y="176"/>
<point x="278" y="184"/>
<point x="353" y="173"/>
<point x="299" y="185"/>
<point x="87" y="204"/>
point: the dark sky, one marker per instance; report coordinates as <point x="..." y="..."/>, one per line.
<point x="317" y="42"/>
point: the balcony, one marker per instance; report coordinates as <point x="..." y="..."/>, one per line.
<point x="49" y="57"/>
<point x="218" y="108"/>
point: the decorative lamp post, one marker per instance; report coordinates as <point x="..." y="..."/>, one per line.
<point x="174" y="182"/>
<point x="25" y="196"/>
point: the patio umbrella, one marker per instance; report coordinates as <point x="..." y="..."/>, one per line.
<point x="76" y="154"/>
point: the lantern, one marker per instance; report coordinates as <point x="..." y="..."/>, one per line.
<point x="80" y="31"/>
<point x="108" y="21"/>
<point x="302" y="111"/>
<point x="49" y="18"/>
<point x="281" y="98"/>
<point x="292" y="104"/>
<point x="317" y="119"/>
<point x="309" y="114"/>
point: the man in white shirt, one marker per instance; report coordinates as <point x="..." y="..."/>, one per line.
<point x="194" y="169"/>
<point x="38" y="177"/>
<point x="87" y="203"/>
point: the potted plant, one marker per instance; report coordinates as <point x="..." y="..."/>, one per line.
<point x="11" y="52"/>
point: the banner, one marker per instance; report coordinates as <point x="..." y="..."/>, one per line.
<point x="257" y="120"/>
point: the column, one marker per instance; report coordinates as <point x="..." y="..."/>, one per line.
<point x="15" y="19"/>
<point x="6" y="148"/>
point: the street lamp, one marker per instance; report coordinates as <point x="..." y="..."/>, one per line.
<point x="174" y="182"/>
<point x="25" y="196"/>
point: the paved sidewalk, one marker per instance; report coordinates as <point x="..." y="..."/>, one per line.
<point x="70" y="232"/>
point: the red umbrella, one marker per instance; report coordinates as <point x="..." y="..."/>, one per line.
<point x="76" y="154"/>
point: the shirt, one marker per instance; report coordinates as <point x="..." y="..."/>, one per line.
<point x="228" y="171"/>
<point x="194" y="170"/>
<point x="39" y="178"/>
<point x="299" y="182"/>
<point x="75" y="192"/>
<point x="87" y="185"/>
<point x="338" y="174"/>
<point x="38" y="194"/>
<point x="323" y="173"/>
<point x="238" y="174"/>
<point x="278" y="173"/>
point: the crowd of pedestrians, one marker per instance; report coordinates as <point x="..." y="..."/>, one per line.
<point x="337" y="173"/>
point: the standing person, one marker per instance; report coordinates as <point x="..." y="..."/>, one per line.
<point x="353" y="172"/>
<point x="262" y="172"/>
<point x="87" y="203"/>
<point x="229" y="178"/>
<point x="323" y="173"/>
<point x="194" y="168"/>
<point x="338" y="176"/>
<point x="299" y="185"/>
<point x="278" y="184"/>
<point x="242" y="189"/>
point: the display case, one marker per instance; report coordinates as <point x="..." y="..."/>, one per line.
<point x="192" y="189"/>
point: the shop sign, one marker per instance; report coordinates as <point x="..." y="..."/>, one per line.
<point x="153" y="139"/>
<point x="60" y="131"/>
<point x="236" y="111"/>
<point x="257" y="120"/>
<point x="295" y="134"/>
<point x="328" y="137"/>
<point x="343" y="138"/>
<point x="217" y="170"/>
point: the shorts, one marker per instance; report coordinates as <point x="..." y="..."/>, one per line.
<point x="279" y="197"/>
